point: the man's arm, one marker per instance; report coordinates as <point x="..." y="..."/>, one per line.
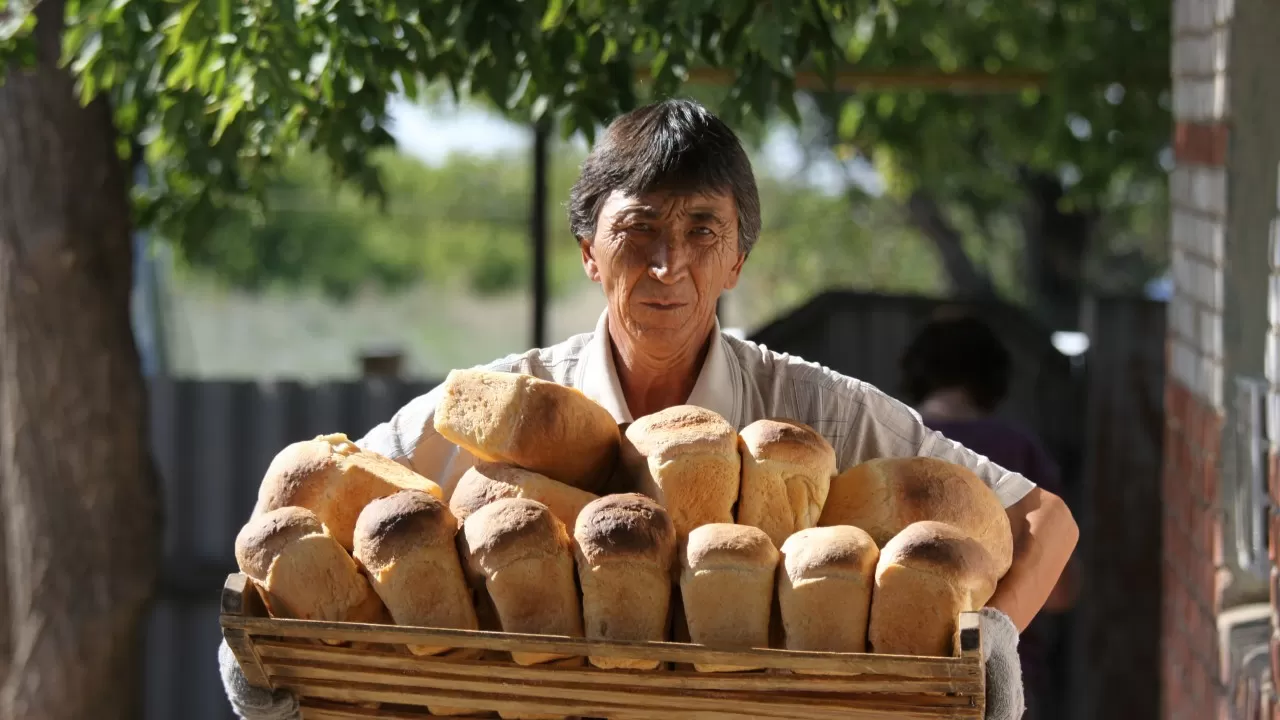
<point x="1044" y="535"/>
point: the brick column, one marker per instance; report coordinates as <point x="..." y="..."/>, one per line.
<point x="1193" y="518"/>
<point x="1226" y="104"/>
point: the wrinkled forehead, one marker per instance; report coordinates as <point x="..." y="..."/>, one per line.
<point x="706" y="205"/>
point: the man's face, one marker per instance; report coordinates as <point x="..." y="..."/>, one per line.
<point x="663" y="259"/>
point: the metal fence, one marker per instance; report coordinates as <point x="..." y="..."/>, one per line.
<point x="213" y="441"/>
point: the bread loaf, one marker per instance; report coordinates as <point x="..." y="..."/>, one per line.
<point x="927" y="575"/>
<point x="334" y="479"/>
<point x="626" y="546"/>
<point x="520" y="552"/>
<point x="486" y="482"/>
<point x="726" y="584"/>
<point x="302" y="572"/>
<point x="686" y="458"/>
<point x="825" y="579"/>
<point x="786" y="473"/>
<point x="884" y="496"/>
<point x="538" y="425"/>
<point x="405" y="543"/>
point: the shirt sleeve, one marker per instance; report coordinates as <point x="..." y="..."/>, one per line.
<point x="410" y="438"/>
<point x="884" y="427"/>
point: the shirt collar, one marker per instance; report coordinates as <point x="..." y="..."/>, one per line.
<point x="598" y="377"/>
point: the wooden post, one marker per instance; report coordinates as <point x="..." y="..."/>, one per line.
<point x="538" y="233"/>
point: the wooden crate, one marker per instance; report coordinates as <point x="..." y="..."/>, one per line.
<point x="372" y="675"/>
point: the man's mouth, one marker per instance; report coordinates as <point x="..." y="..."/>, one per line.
<point x="662" y="305"/>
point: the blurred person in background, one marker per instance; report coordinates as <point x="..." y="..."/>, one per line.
<point x="956" y="372"/>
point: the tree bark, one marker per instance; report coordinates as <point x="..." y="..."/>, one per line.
<point x="79" y="490"/>
<point x="1056" y="243"/>
<point x="927" y="216"/>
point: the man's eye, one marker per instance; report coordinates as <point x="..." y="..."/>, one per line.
<point x="701" y="231"/>
<point x="641" y="227"/>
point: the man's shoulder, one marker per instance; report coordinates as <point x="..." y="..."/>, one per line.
<point x="554" y="362"/>
<point x="766" y="367"/>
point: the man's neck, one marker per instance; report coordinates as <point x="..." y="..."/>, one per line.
<point x="650" y="385"/>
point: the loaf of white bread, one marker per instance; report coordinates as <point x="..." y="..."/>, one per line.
<point x="535" y="424"/>
<point x="727" y="588"/>
<point x="885" y="496"/>
<point x="825" y="581"/>
<point x="926" y="576"/>
<point x="334" y="479"/>
<point x="302" y="572"/>
<point x="487" y="482"/>
<point x="405" y="544"/>
<point x="786" y="474"/>
<point x="686" y="458"/>
<point x="517" y="553"/>
<point x="626" y="547"/>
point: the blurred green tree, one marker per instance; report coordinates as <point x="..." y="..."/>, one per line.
<point x="1070" y="175"/>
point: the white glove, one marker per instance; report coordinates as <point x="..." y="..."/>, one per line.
<point x="251" y="703"/>
<point x="1005" y="699"/>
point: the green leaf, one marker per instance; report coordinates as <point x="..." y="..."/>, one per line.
<point x="850" y="119"/>
<point x="555" y="14"/>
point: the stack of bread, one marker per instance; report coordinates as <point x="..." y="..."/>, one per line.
<point x="677" y="526"/>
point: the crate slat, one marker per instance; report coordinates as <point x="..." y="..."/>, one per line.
<point x="334" y="667"/>
<point x="275" y="650"/>
<point x="747" y="702"/>
<point x="634" y="707"/>
<point x="905" y="666"/>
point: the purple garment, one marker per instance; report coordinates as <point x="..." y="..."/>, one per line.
<point x="1019" y="451"/>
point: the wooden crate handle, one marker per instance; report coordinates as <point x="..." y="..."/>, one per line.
<point x="969" y="645"/>
<point x="240" y="597"/>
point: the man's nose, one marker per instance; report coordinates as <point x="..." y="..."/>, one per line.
<point x="669" y="260"/>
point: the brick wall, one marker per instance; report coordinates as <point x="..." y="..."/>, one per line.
<point x="1191" y="677"/>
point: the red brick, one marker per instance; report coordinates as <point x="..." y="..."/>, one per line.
<point x="1211" y="435"/>
<point x="1193" y="422"/>
<point x="1275" y="599"/>
<point x="1177" y="402"/>
<point x="1201" y="143"/>
<point x="1273" y="527"/>
<point x="1275" y="660"/>
<point x="1217" y="553"/>
<point x="1273" y="476"/>
<point x="1209" y="479"/>
<point x="1209" y="641"/>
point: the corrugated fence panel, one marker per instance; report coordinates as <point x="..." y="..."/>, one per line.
<point x="212" y="443"/>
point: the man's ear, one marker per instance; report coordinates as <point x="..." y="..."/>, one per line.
<point x="732" y="281"/>
<point x="588" y="260"/>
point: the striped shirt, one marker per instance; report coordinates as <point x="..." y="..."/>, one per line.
<point x="740" y="380"/>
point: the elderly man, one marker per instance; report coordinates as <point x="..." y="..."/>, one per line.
<point x="665" y="213"/>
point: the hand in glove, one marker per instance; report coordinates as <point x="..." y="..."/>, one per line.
<point x="251" y="703"/>
<point x="1005" y="699"/>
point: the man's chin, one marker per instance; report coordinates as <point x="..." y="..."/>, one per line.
<point x="665" y="319"/>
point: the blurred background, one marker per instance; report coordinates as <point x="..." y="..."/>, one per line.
<point x="316" y="209"/>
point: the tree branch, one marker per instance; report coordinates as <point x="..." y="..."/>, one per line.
<point x="927" y="216"/>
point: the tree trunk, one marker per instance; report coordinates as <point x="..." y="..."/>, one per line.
<point x="1056" y="243"/>
<point x="927" y="216"/>
<point x="79" y="490"/>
